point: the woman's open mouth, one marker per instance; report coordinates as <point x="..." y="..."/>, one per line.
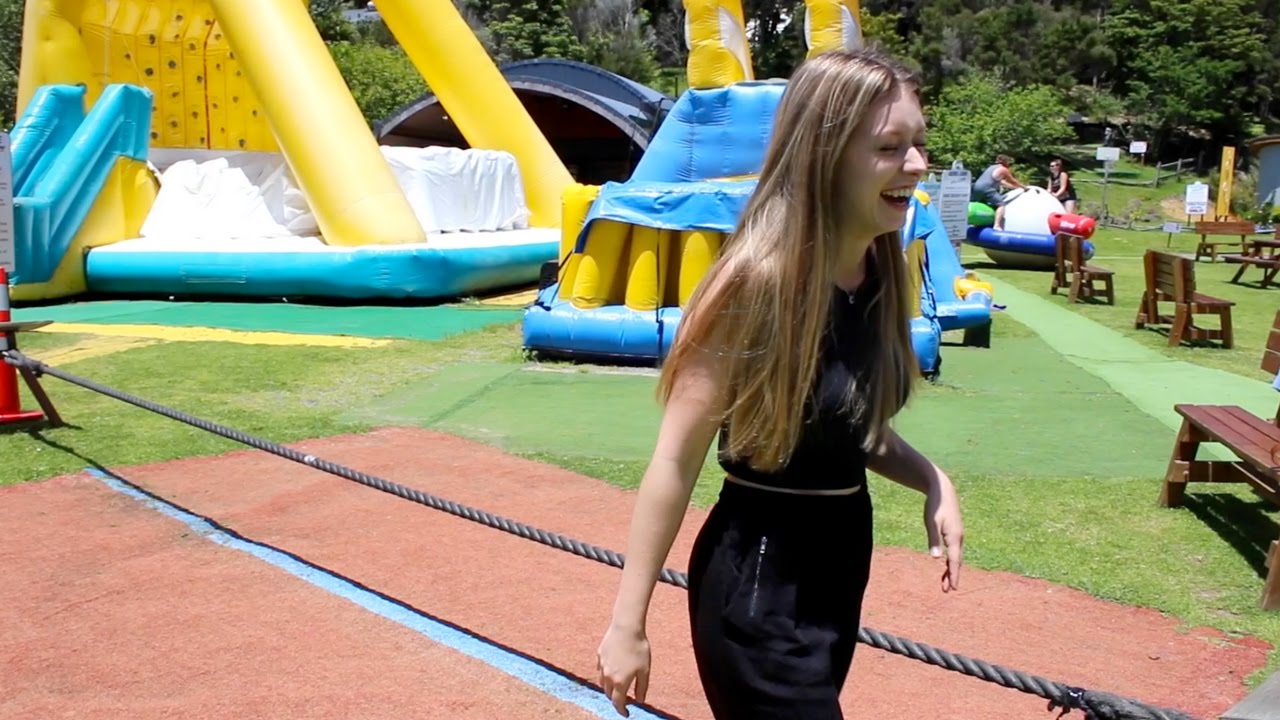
<point x="899" y="198"/>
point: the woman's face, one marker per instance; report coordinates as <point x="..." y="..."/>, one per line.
<point x="882" y="165"/>
<point x="1055" y="167"/>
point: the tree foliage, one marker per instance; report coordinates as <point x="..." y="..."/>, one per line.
<point x="381" y="78"/>
<point x="980" y="116"/>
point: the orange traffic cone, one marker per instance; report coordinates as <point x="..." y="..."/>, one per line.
<point x="10" y="404"/>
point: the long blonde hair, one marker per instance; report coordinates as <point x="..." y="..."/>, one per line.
<point x="764" y="305"/>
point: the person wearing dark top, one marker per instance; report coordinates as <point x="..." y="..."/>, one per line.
<point x="1061" y="187"/>
<point x="795" y="353"/>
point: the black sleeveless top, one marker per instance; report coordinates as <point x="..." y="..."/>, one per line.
<point x="829" y="454"/>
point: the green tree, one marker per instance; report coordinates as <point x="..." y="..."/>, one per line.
<point x="328" y="19"/>
<point x="616" y="35"/>
<point x="381" y="79"/>
<point x="1189" y="63"/>
<point x="10" y="58"/>
<point x="525" y="29"/>
<point x="979" y="117"/>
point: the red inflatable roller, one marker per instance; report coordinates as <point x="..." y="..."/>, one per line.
<point x="1081" y="225"/>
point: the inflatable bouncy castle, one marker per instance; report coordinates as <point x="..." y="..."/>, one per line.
<point x="632" y="253"/>
<point x="212" y="148"/>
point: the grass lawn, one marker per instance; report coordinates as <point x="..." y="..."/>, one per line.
<point x="1121" y="251"/>
<point x="1058" y="473"/>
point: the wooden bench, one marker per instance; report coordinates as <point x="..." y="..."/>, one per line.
<point x="1254" y="441"/>
<point x="1172" y="278"/>
<point x="1208" y="229"/>
<point x="1072" y="271"/>
<point x="1262" y="253"/>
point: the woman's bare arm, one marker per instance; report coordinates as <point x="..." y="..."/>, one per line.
<point x="896" y="460"/>
<point x="689" y="424"/>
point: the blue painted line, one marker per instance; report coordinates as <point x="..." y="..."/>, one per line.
<point x="549" y="680"/>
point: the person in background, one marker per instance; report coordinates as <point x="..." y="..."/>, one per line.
<point x="988" y="188"/>
<point x="1061" y="187"/>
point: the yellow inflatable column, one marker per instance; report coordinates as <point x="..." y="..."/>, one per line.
<point x="600" y="269"/>
<point x="832" y="25"/>
<point x="576" y="206"/>
<point x="644" y="274"/>
<point x="719" y="53"/>
<point x="699" y="249"/>
<point x="915" y="271"/>
<point x="323" y="136"/>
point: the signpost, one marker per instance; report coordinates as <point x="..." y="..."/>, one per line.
<point x="1197" y="199"/>
<point x="951" y="194"/>
<point x="1139" y="148"/>
<point x="953" y="203"/>
<point x="1226" y="176"/>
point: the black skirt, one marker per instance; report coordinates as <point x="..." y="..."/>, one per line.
<point x="776" y="583"/>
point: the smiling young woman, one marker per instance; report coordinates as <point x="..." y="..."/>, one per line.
<point x="795" y="351"/>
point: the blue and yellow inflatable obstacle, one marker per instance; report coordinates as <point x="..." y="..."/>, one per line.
<point x="632" y="253"/>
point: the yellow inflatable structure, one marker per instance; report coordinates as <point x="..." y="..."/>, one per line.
<point x="646" y="268"/>
<point x="254" y="75"/>
<point x="633" y="253"/>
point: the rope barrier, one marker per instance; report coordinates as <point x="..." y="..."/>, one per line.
<point x="1096" y="705"/>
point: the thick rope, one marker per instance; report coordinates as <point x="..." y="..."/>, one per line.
<point x="1096" y="705"/>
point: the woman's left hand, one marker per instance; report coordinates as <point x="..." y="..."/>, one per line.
<point x="945" y="528"/>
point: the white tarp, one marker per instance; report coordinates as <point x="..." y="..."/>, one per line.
<point x="240" y="195"/>
<point x="254" y="195"/>
<point x="453" y="190"/>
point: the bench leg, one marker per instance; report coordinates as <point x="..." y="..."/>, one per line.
<point x="1141" y="320"/>
<point x="1185" y="446"/>
<point x="1271" y="589"/>
<point x="1228" y="338"/>
<point x="1181" y="320"/>
<point x="1269" y="275"/>
<point x="1244" y="265"/>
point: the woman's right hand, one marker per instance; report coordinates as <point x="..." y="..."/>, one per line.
<point x="623" y="657"/>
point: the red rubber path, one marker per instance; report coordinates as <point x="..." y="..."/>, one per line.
<point x="111" y="609"/>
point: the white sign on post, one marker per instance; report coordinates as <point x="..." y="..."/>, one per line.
<point x="7" y="259"/>
<point x="931" y="186"/>
<point x="953" y="203"/>
<point x="1107" y="153"/>
<point x="1138" y="147"/>
<point x="1197" y="199"/>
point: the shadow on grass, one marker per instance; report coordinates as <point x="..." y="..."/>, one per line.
<point x="1241" y="523"/>
<point x="35" y="434"/>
